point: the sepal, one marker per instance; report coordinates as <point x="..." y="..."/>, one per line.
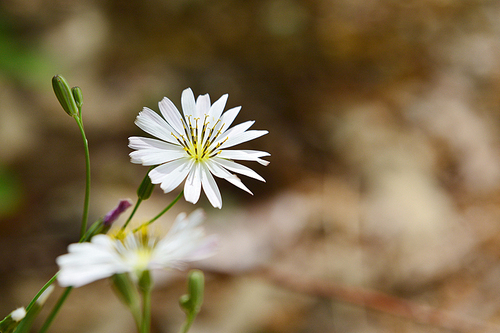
<point x="145" y="189"/>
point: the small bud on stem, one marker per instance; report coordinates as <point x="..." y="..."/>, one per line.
<point x="64" y="95"/>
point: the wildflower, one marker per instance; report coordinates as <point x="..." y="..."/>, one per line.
<point x="193" y="146"/>
<point x="135" y="252"/>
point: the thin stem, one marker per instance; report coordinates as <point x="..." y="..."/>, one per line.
<point x="55" y="310"/>
<point x="139" y="200"/>
<point x="187" y="323"/>
<point x="87" y="178"/>
<point x="146" y="287"/>
<point x="161" y="213"/>
<point x="146" y="311"/>
<point x="52" y="279"/>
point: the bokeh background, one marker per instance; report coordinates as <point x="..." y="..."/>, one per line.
<point x="385" y="168"/>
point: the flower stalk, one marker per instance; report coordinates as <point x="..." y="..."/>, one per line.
<point x="71" y="100"/>
<point x="146" y="287"/>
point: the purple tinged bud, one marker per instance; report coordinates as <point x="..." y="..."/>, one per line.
<point x="112" y="215"/>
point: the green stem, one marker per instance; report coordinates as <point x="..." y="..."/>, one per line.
<point x="161" y="213"/>
<point x="87" y="178"/>
<point x="55" y="310"/>
<point x="187" y="323"/>
<point x="146" y="287"/>
<point x="52" y="279"/>
<point x="146" y="311"/>
<point x="139" y="200"/>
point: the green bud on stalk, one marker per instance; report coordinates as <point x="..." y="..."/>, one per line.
<point x="145" y="189"/>
<point x="191" y="303"/>
<point x="77" y="95"/>
<point x="64" y="95"/>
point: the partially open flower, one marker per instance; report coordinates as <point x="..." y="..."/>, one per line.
<point x="136" y="252"/>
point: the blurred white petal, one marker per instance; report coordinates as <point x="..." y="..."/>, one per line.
<point x="105" y="255"/>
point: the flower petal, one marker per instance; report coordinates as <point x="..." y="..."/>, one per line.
<point x="210" y="188"/>
<point x="227" y="119"/>
<point x="170" y="174"/>
<point x="188" y="103"/>
<point x="153" y="152"/>
<point x="240" y="128"/>
<point x="171" y="115"/>
<point x="244" y="155"/>
<point x="88" y="262"/>
<point x="182" y="222"/>
<point x="240" y="138"/>
<point x="202" y="106"/>
<point x="220" y="172"/>
<point x="82" y="275"/>
<point x="205" y="249"/>
<point x="185" y="241"/>
<point x="151" y="123"/>
<point x="216" y="109"/>
<point x="238" y="168"/>
<point x="192" y="187"/>
<point x="218" y="140"/>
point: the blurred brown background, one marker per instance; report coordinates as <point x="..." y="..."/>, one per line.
<point x="385" y="171"/>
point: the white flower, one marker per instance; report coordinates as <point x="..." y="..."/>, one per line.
<point x="136" y="252"/>
<point x="194" y="146"/>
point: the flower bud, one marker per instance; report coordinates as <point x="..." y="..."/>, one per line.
<point x="196" y="288"/>
<point x="112" y="215"/>
<point x="77" y="95"/>
<point x="145" y="189"/>
<point x="64" y="95"/>
<point x="191" y="303"/>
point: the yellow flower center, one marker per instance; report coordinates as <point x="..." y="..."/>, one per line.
<point x="142" y="258"/>
<point x="137" y="247"/>
<point x="199" y="138"/>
